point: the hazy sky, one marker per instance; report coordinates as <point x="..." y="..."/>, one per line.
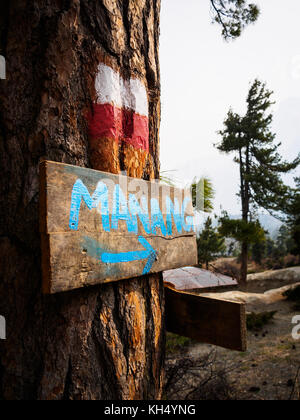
<point x="202" y="76"/>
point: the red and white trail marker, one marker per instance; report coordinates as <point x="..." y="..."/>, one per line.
<point x="121" y="110"/>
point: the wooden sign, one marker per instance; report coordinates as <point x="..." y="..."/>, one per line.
<point x="98" y="227"/>
<point x="213" y="321"/>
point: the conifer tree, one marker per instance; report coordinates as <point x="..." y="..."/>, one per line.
<point x="294" y="217"/>
<point x="250" y="138"/>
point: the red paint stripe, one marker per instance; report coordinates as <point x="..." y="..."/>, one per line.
<point x="119" y="124"/>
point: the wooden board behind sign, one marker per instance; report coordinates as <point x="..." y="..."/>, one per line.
<point x="206" y="320"/>
<point x="89" y="250"/>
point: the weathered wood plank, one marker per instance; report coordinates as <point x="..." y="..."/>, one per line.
<point x="98" y="227"/>
<point x="75" y="258"/>
<point x="213" y="321"/>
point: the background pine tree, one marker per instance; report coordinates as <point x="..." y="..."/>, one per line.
<point x="250" y="139"/>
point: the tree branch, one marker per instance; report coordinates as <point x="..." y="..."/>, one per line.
<point x="218" y="11"/>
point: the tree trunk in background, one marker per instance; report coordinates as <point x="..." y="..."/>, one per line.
<point x="104" y="342"/>
<point x="245" y="210"/>
<point x="244" y="264"/>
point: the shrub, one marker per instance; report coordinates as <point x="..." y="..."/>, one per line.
<point x="176" y="343"/>
<point x="256" y="321"/>
<point x="281" y="262"/>
<point x="203" y="378"/>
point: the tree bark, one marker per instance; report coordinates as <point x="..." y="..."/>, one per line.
<point x="105" y="342"/>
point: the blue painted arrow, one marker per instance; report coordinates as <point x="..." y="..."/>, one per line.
<point x="149" y="254"/>
<point x="112" y="258"/>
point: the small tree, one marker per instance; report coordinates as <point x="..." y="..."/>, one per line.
<point x="294" y="217"/>
<point x="260" y="164"/>
<point x="284" y="241"/>
<point x="270" y="247"/>
<point x="210" y="244"/>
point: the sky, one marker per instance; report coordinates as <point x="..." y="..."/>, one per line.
<point x="202" y="76"/>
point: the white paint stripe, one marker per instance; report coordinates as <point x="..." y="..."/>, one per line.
<point x="112" y="88"/>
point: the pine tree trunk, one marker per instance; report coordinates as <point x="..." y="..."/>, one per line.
<point x="245" y="211"/>
<point x="244" y="264"/>
<point x="105" y="342"/>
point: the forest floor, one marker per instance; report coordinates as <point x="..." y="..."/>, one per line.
<point x="268" y="370"/>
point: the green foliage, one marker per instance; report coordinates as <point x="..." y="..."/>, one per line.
<point x="233" y="16"/>
<point x="203" y="194"/>
<point x="210" y="244"/>
<point x="252" y="141"/>
<point x="176" y="343"/>
<point x="240" y="230"/>
<point x="258" y="251"/>
<point x="276" y="254"/>
<point x="270" y="246"/>
<point x="256" y="321"/>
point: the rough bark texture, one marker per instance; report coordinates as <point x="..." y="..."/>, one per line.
<point x="102" y="342"/>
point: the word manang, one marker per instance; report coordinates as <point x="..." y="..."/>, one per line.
<point x="130" y="210"/>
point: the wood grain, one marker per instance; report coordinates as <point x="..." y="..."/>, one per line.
<point x="206" y="320"/>
<point x="73" y="258"/>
